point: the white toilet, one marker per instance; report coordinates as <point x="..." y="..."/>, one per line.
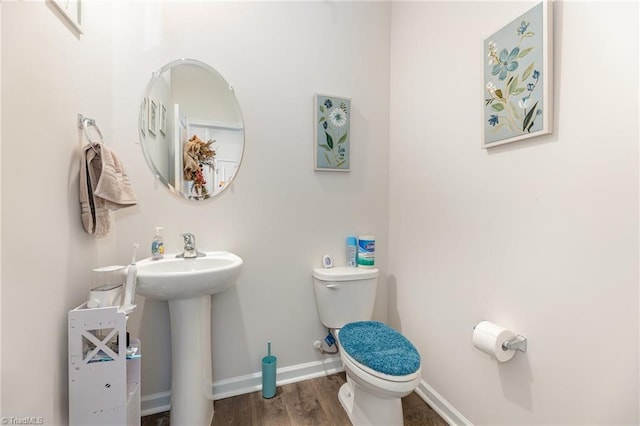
<point x="382" y="366"/>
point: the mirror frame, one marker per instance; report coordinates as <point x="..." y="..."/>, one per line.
<point x="142" y="135"/>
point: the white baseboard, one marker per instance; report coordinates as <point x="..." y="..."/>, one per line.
<point x="441" y="405"/>
<point x="159" y="402"/>
<point x="155" y="403"/>
<point x="295" y="373"/>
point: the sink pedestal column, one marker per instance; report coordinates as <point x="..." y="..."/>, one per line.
<point x="191" y="377"/>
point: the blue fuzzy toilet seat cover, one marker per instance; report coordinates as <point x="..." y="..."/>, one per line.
<point x="379" y="347"/>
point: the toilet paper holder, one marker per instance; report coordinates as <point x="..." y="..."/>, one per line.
<point x="518" y="343"/>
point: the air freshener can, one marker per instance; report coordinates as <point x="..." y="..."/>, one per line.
<point x="366" y="251"/>
<point x="352" y="252"/>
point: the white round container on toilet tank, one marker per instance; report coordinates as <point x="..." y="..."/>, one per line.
<point x="366" y="251"/>
<point x="344" y="295"/>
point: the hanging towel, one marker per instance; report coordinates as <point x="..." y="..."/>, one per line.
<point x="104" y="186"/>
<point x="114" y="186"/>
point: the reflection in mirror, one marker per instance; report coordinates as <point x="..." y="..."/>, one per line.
<point x="191" y="129"/>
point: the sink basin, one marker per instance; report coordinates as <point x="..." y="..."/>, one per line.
<point x="187" y="285"/>
<point x="177" y="278"/>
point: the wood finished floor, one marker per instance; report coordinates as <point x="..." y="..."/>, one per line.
<point x="312" y="402"/>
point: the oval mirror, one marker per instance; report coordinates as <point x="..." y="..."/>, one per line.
<point x="191" y="129"/>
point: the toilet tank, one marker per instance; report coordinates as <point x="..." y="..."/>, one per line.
<point x="345" y="295"/>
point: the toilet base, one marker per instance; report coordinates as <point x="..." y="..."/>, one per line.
<point x="364" y="408"/>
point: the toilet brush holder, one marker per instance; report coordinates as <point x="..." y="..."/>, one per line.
<point x="269" y="365"/>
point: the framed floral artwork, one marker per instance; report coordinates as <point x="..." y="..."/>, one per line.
<point x="518" y="87"/>
<point x="153" y="117"/>
<point x="144" y="115"/>
<point x="163" y="119"/>
<point x="332" y="134"/>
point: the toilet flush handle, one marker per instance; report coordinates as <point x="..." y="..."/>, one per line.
<point x="332" y="286"/>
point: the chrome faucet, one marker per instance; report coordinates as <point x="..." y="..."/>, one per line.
<point x="190" y="250"/>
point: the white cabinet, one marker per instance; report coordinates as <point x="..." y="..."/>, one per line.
<point x="104" y="374"/>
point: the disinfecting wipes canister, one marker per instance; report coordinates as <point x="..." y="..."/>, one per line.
<point x="366" y="251"/>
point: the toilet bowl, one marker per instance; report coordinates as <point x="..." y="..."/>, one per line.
<point x="381" y="365"/>
<point x="379" y="373"/>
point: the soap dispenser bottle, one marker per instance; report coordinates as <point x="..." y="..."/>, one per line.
<point x="157" y="245"/>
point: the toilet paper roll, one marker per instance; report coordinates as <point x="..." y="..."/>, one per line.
<point x="489" y="337"/>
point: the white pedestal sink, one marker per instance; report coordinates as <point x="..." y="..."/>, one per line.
<point x="187" y="284"/>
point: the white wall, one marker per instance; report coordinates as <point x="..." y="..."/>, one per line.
<point x="539" y="236"/>
<point x="280" y="216"/>
<point x="48" y="77"/>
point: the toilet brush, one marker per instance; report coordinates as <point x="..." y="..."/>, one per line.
<point x="269" y="374"/>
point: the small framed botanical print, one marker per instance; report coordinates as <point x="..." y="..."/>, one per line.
<point x="332" y="138"/>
